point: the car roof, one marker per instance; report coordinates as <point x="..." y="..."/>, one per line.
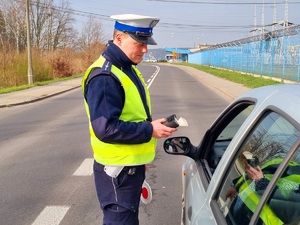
<point x="283" y="96"/>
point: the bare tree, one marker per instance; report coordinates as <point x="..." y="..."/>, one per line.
<point x="52" y="25"/>
<point x="64" y="34"/>
<point x="12" y="25"/>
<point x="92" y="34"/>
<point x="40" y="14"/>
<point x="265" y="147"/>
<point x="2" y="30"/>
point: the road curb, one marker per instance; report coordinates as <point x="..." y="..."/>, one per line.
<point x="39" y="98"/>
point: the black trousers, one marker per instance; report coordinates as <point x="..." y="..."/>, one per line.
<point x="119" y="197"/>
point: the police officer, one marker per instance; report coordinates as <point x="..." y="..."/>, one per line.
<point x="123" y="135"/>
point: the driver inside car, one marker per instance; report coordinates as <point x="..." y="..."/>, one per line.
<point x="246" y="190"/>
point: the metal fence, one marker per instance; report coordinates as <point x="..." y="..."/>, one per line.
<point x="275" y="54"/>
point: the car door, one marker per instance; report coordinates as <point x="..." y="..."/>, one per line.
<point x="268" y="191"/>
<point x="198" y="172"/>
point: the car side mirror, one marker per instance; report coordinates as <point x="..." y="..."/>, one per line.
<point x="177" y="145"/>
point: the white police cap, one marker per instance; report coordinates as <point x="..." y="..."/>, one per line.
<point x="137" y="26"/>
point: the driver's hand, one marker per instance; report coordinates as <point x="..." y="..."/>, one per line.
<point x="254" y="174"/>
<point x="231" y="193"/>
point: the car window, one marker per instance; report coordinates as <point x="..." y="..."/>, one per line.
<point x="224" y="131"/>
<point x="256" y="162"/>
<point x="284" y="201"/>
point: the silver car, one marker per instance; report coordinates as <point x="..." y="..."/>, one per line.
<point x="246" y="169"/>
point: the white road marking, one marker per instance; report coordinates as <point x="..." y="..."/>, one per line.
<point x="51" y="215"/>
<point x="85" y="169"/>
<point x="154" y="76"/>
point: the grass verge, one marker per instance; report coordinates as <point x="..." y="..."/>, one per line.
<point x="249" y="81"/>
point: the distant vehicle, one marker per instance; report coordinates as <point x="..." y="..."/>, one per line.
<point x="246" y="169"/>
<point x="151" y="60"/>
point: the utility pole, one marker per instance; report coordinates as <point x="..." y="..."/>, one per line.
<point x="263" y="18"/>
<point x="30" y="71"/>
<point x="286" y="14"/>
<point x="274" y="16"/>
<point x="255" y="25"/>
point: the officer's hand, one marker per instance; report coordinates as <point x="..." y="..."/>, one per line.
<point x="160" y="130"/>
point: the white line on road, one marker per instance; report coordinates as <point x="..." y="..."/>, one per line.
<point x="51" y="215"/>
<point x="85" y="169"/>
<point x="153" y="75"/>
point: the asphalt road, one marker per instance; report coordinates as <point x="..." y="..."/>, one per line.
<point x="45" y="157"/>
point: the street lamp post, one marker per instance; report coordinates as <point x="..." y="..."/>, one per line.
<point x="30" y="71"/>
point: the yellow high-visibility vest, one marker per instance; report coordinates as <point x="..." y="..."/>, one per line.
<point x="251" y="199"/>
<point x="133" y="111"/>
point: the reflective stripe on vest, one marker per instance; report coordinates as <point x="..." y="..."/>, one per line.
<point x="134" y="111"/>
<point x="285" y="184"/>
<point x="251" y="199"/>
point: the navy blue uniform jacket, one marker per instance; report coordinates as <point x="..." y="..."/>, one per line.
<point x="105" y="97"/>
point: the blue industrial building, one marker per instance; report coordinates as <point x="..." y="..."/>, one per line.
<point x="177" y="54"/>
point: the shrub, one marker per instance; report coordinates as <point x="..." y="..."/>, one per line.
<point x="46" y="65"/>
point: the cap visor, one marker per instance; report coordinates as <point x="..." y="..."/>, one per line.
<point x="143" y="40"/>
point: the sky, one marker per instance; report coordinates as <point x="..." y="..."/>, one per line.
<point x="187" y="23"/>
